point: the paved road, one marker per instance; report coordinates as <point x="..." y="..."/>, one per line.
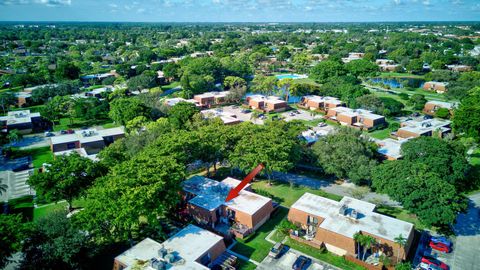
<point x="467" y="245"/>
<point x="345" y="189"/>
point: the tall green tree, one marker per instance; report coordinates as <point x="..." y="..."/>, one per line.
<point x="54" y="242"/>
<point x="466" y="119"/>
<point x="361" y="68"/>
<point x="66" y="178"/>
<point x="326" y="69"/>
<point x="123" y="110"/>
<point x="12" y="233"/>
<point x="347" y="154"/>
<point x="180" y="114"/>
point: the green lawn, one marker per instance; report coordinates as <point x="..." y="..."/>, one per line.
<point x="401" y="214"/>
<point x="39" y="155"/>
<point x="245" y="265"/>
<point x="255" y="246"/>
<point x="170" y="86"/>
<point x="286" y="194"/>
<point x="396" y="74"/>
<point x="380" y="134"/>
<point x="66" y="123"/>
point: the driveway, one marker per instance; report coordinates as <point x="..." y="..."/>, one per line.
<point x="302" y="115"/>
<point x="244" y="117"/>
<point x="345" y="189"/>
<point x="286" y="261"/>
<point x="466" y="251"/>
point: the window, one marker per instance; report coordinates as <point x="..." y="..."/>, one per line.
<point x="71" y="145"/>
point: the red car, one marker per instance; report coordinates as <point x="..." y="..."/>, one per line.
<point x="439" y="246"/>
<point x="430" y="260"/>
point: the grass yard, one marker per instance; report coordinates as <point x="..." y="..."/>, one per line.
<point x="286" y="194"/>
<point x="39" y="155"/>
<point x="65" y="123"/>
<point x="396" y="74"/>
<point x="255" y="246"/>
<point x="170" y="86"/>
<point x="380" y="134"/>
<point x="401" y="214"/>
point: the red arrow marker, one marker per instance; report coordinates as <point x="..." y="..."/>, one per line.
<point x="234" y="191"/>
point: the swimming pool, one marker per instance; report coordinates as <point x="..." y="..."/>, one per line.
<point x="288" y="76"/>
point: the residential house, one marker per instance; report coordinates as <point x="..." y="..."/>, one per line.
<point x="96" y="77"/>
<point x="170" y="102"/>
<point x="267" y="104"/>
<point x="205" y="203"/>
<point x="226" y="117"/>
<point x="313" y="102"/>
<point x="23" y="121"/>
<point x="85" y="142"/>
<point x="439" y="87"/>
<point x="208" y="99"/>
<point x="353" y="56"/>
<point x="390" y="148"/>
<point x="359" y="118"/>
<point x="459" y="68"/>
<point x="191" y="248"/>
<point x="431" y="107"/>
<point x="421" y="127"/>
<point x="386" y="65"/>
<point x="333" y="224"/>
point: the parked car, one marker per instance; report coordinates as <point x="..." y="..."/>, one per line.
<point x="292" y="114"/>
<point x="63" y="132"/>
<point x="425" y="266"/>
<point x="440" y="243"/>
<point x="297" y="112"/>
<point x="301" y="263"/>
<point x="49" y="134"/>
<point x="70" y="131"/>
<point x="246" y="111"/>
<point x="425" y="117"/>
<point x="276" y="250"/>
<point x="322" y="124"/>
<point x="432" y="261"/>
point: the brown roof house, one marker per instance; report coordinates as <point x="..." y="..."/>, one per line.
<point x="191" y="248"/>
<point x="420" y="127"/>
<point x="320" y="103"/>
<point x="211" y="98"/>
<point x="431" y="107"/>
<point x="267" y="104"/>
<point x="358" y="118"/>
<point x="439" y="87"/>
<point x="205" y="203"/>
<point x="331" y="224"/>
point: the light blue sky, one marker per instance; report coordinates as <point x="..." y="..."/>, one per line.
<point x="240" y="10"/>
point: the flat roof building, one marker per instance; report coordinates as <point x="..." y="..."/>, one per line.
<point x="333" y="224"/>
<point x="191" y="248"/>
<point x="390" y="148"/>
<point x="314" y="102"/>
<point x="421" y="127"/>
<point x="211" y="98"/>
<point x="359" y="118"/>
<point x="91" y="141"/>
<point x="205" y="199"/>
<point x="24" y="121"/>
<point x="170" y="102"/>
<point x="267" y="103"/>
<point x="226" y="117"/>
<point x="432" y="106"/>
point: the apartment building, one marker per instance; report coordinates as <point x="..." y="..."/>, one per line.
<point x="314" y="102"/>
<point x="439" y="87"/>
<point x="431" y="107"/>
<point x="421" y="127"/>
<point x="23" y="121"/>
<point x="353" y="56"/>
<point x="332" y="224"/>
<point x="267" y="104"/>
<point x="390" y="148"/>
<point x="211" y="98"/>
<point x="170" y="102"/>
<point x="205" y="203"/>
<point x="85" y="142"/>
<point x="191" y="248"/>
<point x="358" y="118"/>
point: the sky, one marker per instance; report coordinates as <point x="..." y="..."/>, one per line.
<point x="240" y="10"/>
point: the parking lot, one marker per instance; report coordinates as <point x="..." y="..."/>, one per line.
<point x="237" y="111"/>
<point x="302" y="115"/>
<point x="286" y="261"/>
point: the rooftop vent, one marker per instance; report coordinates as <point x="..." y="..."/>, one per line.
<point x="157" y="265"/>
<point x="354" y="214"/>
<point x="343" y="210"/>
<point x="162" y="252"/>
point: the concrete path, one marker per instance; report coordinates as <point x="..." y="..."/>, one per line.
<point x="466" y="250"/>
<point x="345" y="189"/>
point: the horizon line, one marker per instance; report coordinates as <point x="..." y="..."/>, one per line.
<point x="248" y="22"/>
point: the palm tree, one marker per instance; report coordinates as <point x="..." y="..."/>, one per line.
<point x="358" y="237"/>
<point x="401" y="241"/>
<point x="369" y="241"/>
